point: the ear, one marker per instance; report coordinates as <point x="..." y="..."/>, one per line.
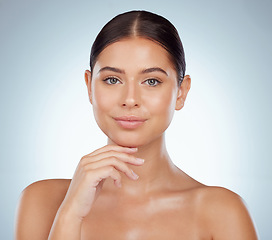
<point x="183" y="91"/>
<point x="88" y="81"/>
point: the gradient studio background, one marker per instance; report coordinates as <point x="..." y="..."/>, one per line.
<point x="222" y="136"/>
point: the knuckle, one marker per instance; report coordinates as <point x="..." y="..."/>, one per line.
<point x="85" y="168"/>
<point x="128" y="169"/>
<point x="110" y="169"/>
<point x="82" y="164"/>
<point x="128" y="157"/>
<point x="114" y="160"/>
<point x="112" y="152"/>
<point x="128" y="172"/>
<point x="83" y="159"/>
<point x="131" y="158"/>
<point x="117" y="175"/>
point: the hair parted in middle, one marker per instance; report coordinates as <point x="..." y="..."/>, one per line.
<point x="142" y="24"/>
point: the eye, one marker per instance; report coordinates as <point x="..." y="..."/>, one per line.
<point x="152" y="82"/>
<point x="111" y="80"/>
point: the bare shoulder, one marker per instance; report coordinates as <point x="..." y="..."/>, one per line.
<point x="47" y="186"/>
<point x="49" y="193"/>
<point x="225" y="214"/>
<point x="218" y="195"/>
<point x="219" y="199"/>
<point x="37" y="207"/>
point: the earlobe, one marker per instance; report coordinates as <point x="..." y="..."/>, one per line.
<point x="182" y="92"/>
<point x="88" y="78"/>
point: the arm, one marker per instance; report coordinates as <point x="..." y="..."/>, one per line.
<point x="38" y="212"/>
<point x="44" y="211"/>
<point x="65" y="227"/>
<point x="37" y="208"/>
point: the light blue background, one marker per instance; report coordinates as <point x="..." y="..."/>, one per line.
<point x="221" y="137"/>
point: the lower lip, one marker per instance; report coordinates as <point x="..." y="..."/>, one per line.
<point x="130" y="124"/>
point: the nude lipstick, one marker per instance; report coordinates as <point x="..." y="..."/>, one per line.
<point x="130" y="122"/>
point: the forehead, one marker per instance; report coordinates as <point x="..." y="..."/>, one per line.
<point x="134" y="53"/>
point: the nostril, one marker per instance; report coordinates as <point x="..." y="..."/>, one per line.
<point x="124" y="104"/>
<point x="130" y="105"/>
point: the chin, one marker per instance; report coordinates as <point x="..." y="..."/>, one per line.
<point x="131" y="139"/>
<point x="127" y="143"/>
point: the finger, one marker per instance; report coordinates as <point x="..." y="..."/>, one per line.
<point x="113" y="148"/>
<point x="104" y="172"/>
<point x="117" y="164"/>
<point x="125" y="157"/>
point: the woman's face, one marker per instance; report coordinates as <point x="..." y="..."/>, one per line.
<point x="134" y="92"/>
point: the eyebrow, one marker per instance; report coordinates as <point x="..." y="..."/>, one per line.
<point x="148" y="70"/>
<point x="112" y="69"/>
<point x="154" y="69"/>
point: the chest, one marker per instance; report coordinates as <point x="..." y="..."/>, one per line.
<point x="152" y="220"/>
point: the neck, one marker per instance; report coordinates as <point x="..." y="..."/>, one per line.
<point x="155" y="174"/>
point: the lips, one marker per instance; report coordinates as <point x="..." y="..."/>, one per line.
<point x="130" y="122"/>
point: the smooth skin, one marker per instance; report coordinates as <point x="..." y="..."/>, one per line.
<point x="114" y="194"/>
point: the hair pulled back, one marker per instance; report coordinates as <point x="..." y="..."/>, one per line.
<point x="142" y="24"/>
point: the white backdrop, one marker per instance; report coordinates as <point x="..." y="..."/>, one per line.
<point x="221" y="137"/>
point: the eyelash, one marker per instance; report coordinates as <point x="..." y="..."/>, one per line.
<point x="156" y="84"/>
<point x="109" y="78"/>
<point x="117" y="80"/>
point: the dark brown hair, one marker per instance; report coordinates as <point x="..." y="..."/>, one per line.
<point x="143" y="24"/>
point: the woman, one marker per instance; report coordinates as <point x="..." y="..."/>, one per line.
<point x="130" y="189"/>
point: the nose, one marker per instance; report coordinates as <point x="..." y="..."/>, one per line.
<point x="131" y="95"/>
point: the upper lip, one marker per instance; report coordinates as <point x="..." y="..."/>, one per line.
<point x="130" y="118"/>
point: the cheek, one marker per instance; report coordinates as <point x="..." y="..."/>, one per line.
<point x="102" y="101"/>
<point x="163" y="105"/>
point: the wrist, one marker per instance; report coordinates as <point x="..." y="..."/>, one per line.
<point x="67" y="216"/>
<point x="66" y="226"/>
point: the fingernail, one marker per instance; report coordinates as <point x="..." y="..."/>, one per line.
<point x="133" y="149"/>
<point x="140" y="160"/>
<point x="135" y="176"/>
